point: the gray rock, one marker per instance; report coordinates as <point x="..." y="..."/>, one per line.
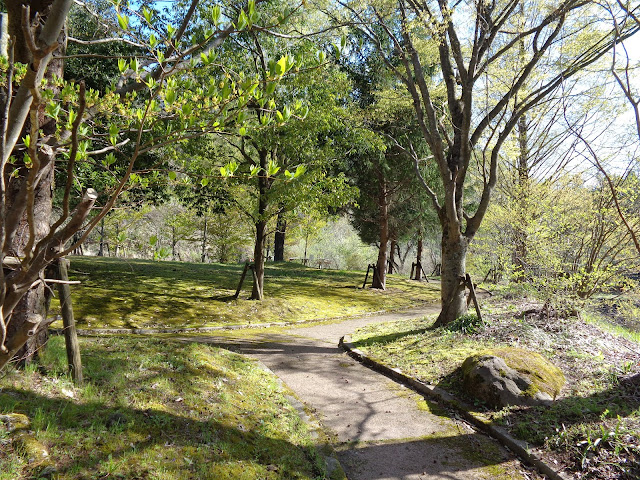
<point x="489" y="379"/>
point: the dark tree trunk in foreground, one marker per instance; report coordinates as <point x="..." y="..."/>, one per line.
<point x="35" y="302"/>
<point x="279" y="237"/>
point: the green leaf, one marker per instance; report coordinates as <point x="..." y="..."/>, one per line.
<point x="113" y="134"/>
<point x="204" y="182"/>
<point x="53" y="110"/>
<point x="265" y="119"/>
<point x="343" y="41"/>
<point x="232" y="166"/>
<point x="123" y="21"/>
<point x="223" y="172"/>
<point x="321" y="56"/>
<point x="153" y="41"/>
<point x="255" y="169"/>
<point x="153" y="240"/>
<point x="216" y="13"/>
<point x="172" y="176"/>
<point x="147" y="15"/>
<point x="288" y="174"/>
<point x="271" y="87"/>
<point x="134" y="64"/>
<point x="109" y="160"/>
<point x="300" y="171"/>
<point x="242" y="131"/>
<point x="27" y="140"/>
<point x="170" y="31"/>
<point x="122" y="65"/>
<point x="272" y="168"/>
<point x="243" y="21"/>
<point x="281" y="66"/>
<point x="279" y="117"/>
<point x="170" y="96"/>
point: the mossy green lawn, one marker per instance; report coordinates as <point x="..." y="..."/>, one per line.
<point x="117" y="293"/>
<point x="157" y="410"/>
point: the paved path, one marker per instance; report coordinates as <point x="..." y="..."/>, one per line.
<point x="382" y="430"/>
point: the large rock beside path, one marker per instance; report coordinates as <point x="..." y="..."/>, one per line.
<point x="511" y="376"/>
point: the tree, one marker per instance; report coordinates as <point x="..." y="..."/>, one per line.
<point x="153" y="107"/>
<point x="285" y="164"/>
<point x="468" y="44"/>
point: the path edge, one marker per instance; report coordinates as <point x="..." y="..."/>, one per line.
<point x="324" y="449"/>
<point x="520" y="448"/>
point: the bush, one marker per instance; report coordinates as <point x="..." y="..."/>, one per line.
<point x="467" y="324"/>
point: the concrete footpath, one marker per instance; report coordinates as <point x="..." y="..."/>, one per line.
<point x="380" y="429"/>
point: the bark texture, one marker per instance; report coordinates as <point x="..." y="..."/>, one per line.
<point x="36" y="300"/>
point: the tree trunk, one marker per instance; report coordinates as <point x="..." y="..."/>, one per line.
<point x="258" y="262"/>
<point x="379" y="280"/>
<point x="101" y="247"/>
<point x="418" y="274"/>
<point x="261" y="228"/>
<point x="203" y="254"/>
<point x="278" y="247"/>
<point x="174" y="242"/>
<point x="519" y="257"/>
<point x="34" y="303"/>
<point x="392" y="255"/>
<point x="452" y="294"/>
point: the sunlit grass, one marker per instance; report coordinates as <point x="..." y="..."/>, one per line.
<point x="138" y="293"/>
<point x="157" y="410"/>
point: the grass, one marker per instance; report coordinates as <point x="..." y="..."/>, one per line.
<point x="593" y="427"/>
<point x="156" y="410"/>
<point x="117" y="293"/>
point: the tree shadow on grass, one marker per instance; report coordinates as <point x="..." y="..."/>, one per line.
<point x="102" y="441"/>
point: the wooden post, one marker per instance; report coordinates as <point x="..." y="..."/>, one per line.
<point x="472" y="296"/>
<point x="424" y="273"/>
<point x="69" y="323"/>
<point x="244" y="274"/>
<point x="366" y="277"/>
<point x="255" y="276"/>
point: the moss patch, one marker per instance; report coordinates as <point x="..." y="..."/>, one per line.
<point x="156" y="410"/>
<point x="545" y="377"/>
<point x="118" y="293"/>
